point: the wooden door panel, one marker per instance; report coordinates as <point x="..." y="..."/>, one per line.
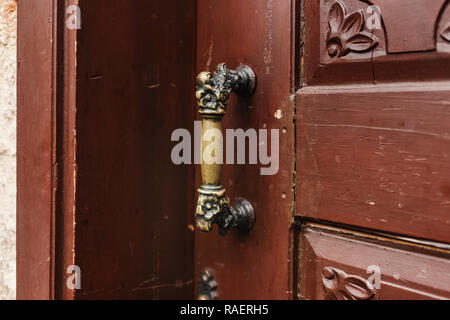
<point x="348" y="41"/>
<point x="339" y="264"/>
<point x="256" y="33"/>
<point x="133" y="204"/>
<point x="96" y="184"/>
<point x="376" y="157"/>
<point x="372" y="140"/>
<point x="355" y="148"/>
<point x="34" y="153"/>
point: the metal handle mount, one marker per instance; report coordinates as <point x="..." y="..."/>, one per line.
<point x="213" y="92"/>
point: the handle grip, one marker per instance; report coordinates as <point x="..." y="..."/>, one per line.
<point x="213" y="93"/>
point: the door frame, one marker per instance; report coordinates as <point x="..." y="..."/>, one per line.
<point x="45" y="148"/>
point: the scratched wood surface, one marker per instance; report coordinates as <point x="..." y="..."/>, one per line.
<point x="376" y="157"/>
<point x="257" y="33"/>
<point x="96" y="185"/>
<point x="34" y="153"/>
<point x="134" y="207"/>
<point x="46" y="106"/>
<point x="368" y="267"/>
<point x="94" y="162"/>
<point x="375" y="152"/>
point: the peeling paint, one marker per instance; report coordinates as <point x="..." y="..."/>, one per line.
<point x="210" y="53"/>
<point x="268" y="39"/>
<point x="278" y="114"/>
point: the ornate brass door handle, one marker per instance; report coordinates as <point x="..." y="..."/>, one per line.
<point x="213" y="92"/>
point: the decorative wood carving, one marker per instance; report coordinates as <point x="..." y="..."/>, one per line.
<point x="445" y="34"/>
<point x="341" y="286"/>
<point x="415" y="33"/>
<point x="375" y="40"/>
<point x="346" y="32"/>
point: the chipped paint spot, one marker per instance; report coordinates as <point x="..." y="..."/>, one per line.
<point x="268" y="40"/>
<point x="278" y="114"/>
<point x="210" y="53"/>
<point x="153" y="86"/>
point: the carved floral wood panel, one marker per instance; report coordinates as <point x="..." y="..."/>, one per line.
<point x="339" y="264"/>
<point x="339" y="285"/>
<point x="361" y="29"/>
<point x="369" y="41"/>
<point x="346" y="32"/>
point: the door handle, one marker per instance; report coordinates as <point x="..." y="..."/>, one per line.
<point x="207" y="285"/>
<point x="213" y="206"/>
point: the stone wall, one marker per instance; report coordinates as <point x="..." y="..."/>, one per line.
<point x="8" y="29"/>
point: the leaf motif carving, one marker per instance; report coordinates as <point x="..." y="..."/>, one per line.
<point x="336" y="16"/>
<point x="358" y="288"/>
<point x="342" y="286"/>
<point x="346" y="33"/>
<point x="446" y="33"/>
<point x="361" y="42"/>
<point x="353" y="23"/>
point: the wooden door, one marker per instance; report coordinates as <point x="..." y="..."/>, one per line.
<point x="360" y="207"/>
<point x="256" y="33"/>
<point x="96" y="187"/>
<point x="358" y="91"/>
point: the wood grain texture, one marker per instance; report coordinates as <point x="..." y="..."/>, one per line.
<point x="373" y="148"/>
<point x="96" y="185"/>
<point x="46" y="144"/>
<point x="34" y="152"/>
<point x="256" y="33"/>
<point x="64" y="148"/>
<point x="407" y="271"/>
<point x="47" y="64"/>
<point x="376" y="157"/>
<point x="135" y="86"/>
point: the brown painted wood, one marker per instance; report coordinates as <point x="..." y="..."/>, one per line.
<point x="376" y="157"/>
<point x="410" y="43"/>
<point x="134" y="208"/>
<point x="34" y="152"/>
<point x="97" y="188"/>
<point x="64" y="148"/>
<point x="96" y="185"/>
<point x="407" y="270"/>
<point x="257" y="33"/>
<point x="372" y="146"/>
